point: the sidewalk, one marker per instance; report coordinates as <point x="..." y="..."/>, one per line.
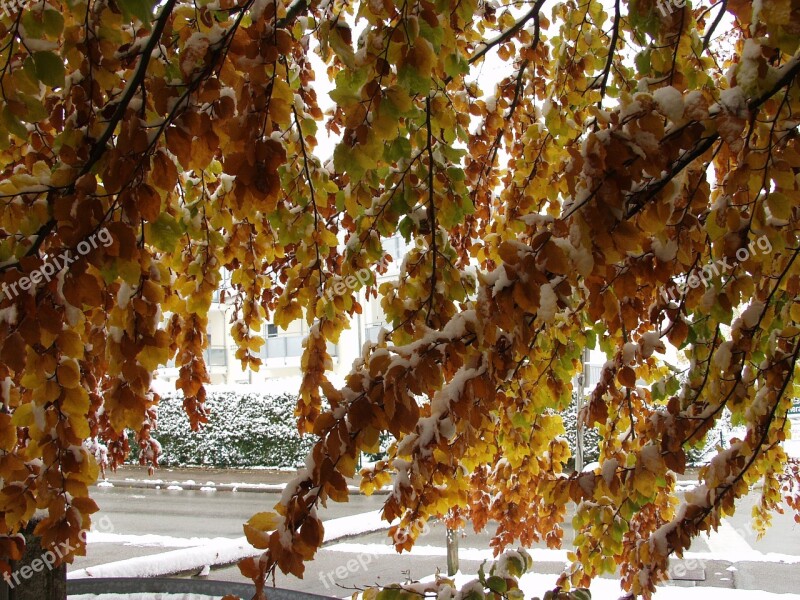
<point x="268" y="480"/>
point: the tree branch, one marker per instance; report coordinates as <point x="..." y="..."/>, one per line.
<point x="611" y="51"/>
<point x="431" y="207"/>
<point x="714" y="24"/>
<point x="640" y="198"/>
<point x="99" y="147"/>
<point x="509" y="33"/>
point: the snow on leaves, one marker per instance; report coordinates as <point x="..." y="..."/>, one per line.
<point x="620" y="151"/>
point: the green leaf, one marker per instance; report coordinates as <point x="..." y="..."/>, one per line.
<point x="642" y="61"/>
<point x="591" y="338"/>
<point x="345" y="161"/>
<point x="35" y="110"/>
<point x="399" y="148"/>
<point x="33" y="25"/>
<point x="348" y="86"/>
<point x="455" y="65"/>
<point x="13" y="124"/>
<point x="49" y="68"/>
<point x="164" y="232"/>
<point x="497" y="584"/>
<point x="455" y="174"/>
<point x="780" y="206"/>
<point x="141" y="9"/>
<point x="433" y="34"/>
<point x="53" y="23"/>
<point x="673" y="385"/>
<point x="342" y="49"/>
<point x="413" y="81"/>
<point x="515" y="566"/>
<point x="390" y="593"/>
<point x="405" y="227"/>
<point x="466" y="8"/>
<point x="520" y="420"/>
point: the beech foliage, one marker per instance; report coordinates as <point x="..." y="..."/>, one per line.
<point x="626" y="151"/>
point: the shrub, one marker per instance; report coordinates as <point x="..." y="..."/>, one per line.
<point x="591" y="439"/>
<point x="244" y="430"/>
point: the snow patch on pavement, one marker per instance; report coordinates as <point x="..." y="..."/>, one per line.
<point x="142" y="596"/>
<point x="559" y="556"/>
<point x="216" y="551"/>
<point x="151" y="540"/>
<point x="535" y="584"/>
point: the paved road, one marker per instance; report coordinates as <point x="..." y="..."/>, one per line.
<point x="367" y="560"/>
<point x="182" y="514"/>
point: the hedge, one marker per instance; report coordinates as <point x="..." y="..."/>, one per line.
<point x="244" y="430"/>
<point x="256" y="429"/>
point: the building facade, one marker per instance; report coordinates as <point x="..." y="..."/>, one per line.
<point x="282" y="350"/>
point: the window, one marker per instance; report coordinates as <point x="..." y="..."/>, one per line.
<point x="215" y="356"/>
<point x="593" y="375"/>
<point x="287" y="344"/>
<point x="396" y="247"/>
<point x="372" y="330"/>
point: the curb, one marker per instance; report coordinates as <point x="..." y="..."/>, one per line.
<point x="264" y="488"/>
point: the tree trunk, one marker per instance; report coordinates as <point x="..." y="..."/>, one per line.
<point x="34" y="577"/>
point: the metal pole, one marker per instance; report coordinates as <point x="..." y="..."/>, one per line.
<point x="452" y="552"/>
<point x="583" y="380"/>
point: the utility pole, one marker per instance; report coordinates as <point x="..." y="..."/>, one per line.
<point x="452" y="551"/>
<point x="583" y="380"/>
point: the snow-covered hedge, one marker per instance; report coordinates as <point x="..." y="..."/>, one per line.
<point x="591" y="439"/>
<point x="244" y="430"/>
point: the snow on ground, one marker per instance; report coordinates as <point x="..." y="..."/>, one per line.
<point x="277" y="385"/>
<point x="535" y="584"/>
<point x="216" y="551"/>
<point x="549" y="555"/>
<point x="142" y="596"/>
<point x="174" y="561"/>
<point x="150" y="540"/>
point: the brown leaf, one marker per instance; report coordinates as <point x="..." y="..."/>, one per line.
<point x="148" y="202"/>
<point x="627" y="377"/>
<point x="12" y="352"/>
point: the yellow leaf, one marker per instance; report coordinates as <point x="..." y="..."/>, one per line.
<point x="779" y="206"/>
<point x="257" y="529"/>
<point x="794" y="311"/>
<point x="644" y="482"/>
<point x="80" y="426"/>
<point x="76" y="403"/>
<point x="69" y="374"/>
<point x="264" y="521"/>
<point x="46" y="393"/>
<point x="23" y="415"/>
<point x="8" y="433"/>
